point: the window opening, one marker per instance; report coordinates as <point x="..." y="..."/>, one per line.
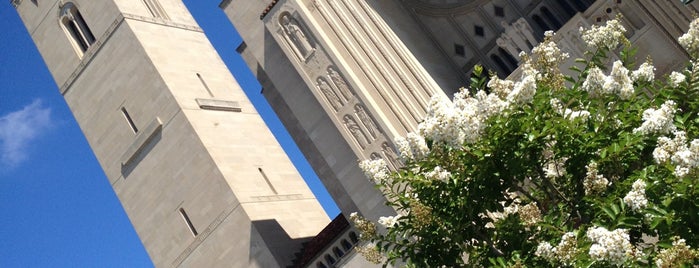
<point x="269" y="183"/>
<point x="338" y="252"/>
<point x="186" y="219"/>
<point x="345" y="244"/>
<point x="201" y="79"/>
<point x="75" y="25"/>
<point x="479" y="30"/>
<point x="155" y="9"/>
<point x="129" y="120"/>
<point x="459" y="50"/>
<point x="329" y="259"/>
<point x="499" y="11"/>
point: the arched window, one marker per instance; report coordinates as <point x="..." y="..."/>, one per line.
<point x="338" y="252"/>
<point x="549" y="16"/>
<point x="540" y="22"/>
<point x="75" y="26"/>
<point x="501" y="64"/>
<point x="353" y="237"/>
<point x="329" y="259"/>
<point x="346" y="245"/>
<point x="511" y="61"/>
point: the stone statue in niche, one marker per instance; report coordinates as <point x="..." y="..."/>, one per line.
<point x="356" y="131"/>
<point x="340" y="83"/>
<point x="366" y="120"/>
<point x="374" y="156"/>
<point x="526" y="31"/>
<point x="390" y="155"/>
<point x="517" y="37"/>
<point x="297" y="36"/>
<point x="329" y="94"/>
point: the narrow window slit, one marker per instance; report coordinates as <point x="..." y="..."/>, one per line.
<point x="267" y="180"/>
<point x="188" y="222"/>
<point x="129" y="120"/>
<point x="206" y="86"/>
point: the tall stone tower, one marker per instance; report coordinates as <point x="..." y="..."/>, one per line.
<point x="198" y="172"/>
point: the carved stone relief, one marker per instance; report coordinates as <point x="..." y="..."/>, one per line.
<point x="329" y="93"/>
<point x="390" y="156"/>
<point x="298" y="38"/>
<point x="367" y="121"/>
<point x="340" y="83"/>
<point x="517" y="37"/>
<point x="356" y="131"/>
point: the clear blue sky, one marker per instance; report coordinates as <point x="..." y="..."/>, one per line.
<point x="57" y="209"/>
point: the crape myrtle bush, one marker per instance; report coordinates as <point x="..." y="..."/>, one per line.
<point x="594" y="170"/>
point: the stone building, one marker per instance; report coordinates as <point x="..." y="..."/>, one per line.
<point x="200" y="176"/>
<point x="346" y="77"/>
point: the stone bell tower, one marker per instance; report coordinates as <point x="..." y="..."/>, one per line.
<point x="201" y="177"/>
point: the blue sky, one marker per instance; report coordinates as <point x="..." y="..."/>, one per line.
<point x="57" y="209"/>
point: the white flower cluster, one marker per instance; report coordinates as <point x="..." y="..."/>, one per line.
<point x="568" y="113"/>
<point x="645" y="73"/>
<point x="412" y="147"/>
<point x="376" y="170"/>
<point x="686" y="158"/>
<point x="676" y="79"/>
<point x="564" y="252"/>
<point x="618" y="82"/>
<point x="548" y="51"/>
<point x="658" y="121"/>
<point x="594" y="183"/>
<point x="611" y="246"/>
<point x="530" y="214"/>
<point x="443" y="123"/>
<point x="455" y="122"/>
<point x="389" y="221"/>
<point x="607" y="36"/>
<point x="524" y="90"/>
<point x="594" y="82"/>
<point x="636" y="198"/>
<point x="438" y="174"/>
<point x="501" y="87"/>
<point x="680" y="253"/>
<point x="690" y="40"/>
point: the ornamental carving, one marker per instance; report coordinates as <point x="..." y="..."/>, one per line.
<point x="366" y="120"/>
<point x="329" y="93"/>
<point x="297" y="36"/>
<point x="356" y="131"/>
<point x="340" y="83"/>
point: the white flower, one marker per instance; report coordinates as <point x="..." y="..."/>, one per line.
<point x="676" y="78"/>
<point x="594" y="183"/>
<point x="412" y="147"/>
<point x="376" y="170"/>
<point x="658" y="121"/>
<point x="500" y="87"/>
<point x="545" y="250"/>
<point x="607" y="36"/>
<point x="645" y="73"/>
<point x="389" y="221"/>
<point x="523" y="91"/>
<point x="618" y="82"/>
<point x="439" y="174"/>
<point x="564" y="252"/>
<point x="548" y="51"/>
<point x="594" y="82"/>
<point x="690" y="40"/>
<point x="636" y="198"/>
<point x="612" y="246"/>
